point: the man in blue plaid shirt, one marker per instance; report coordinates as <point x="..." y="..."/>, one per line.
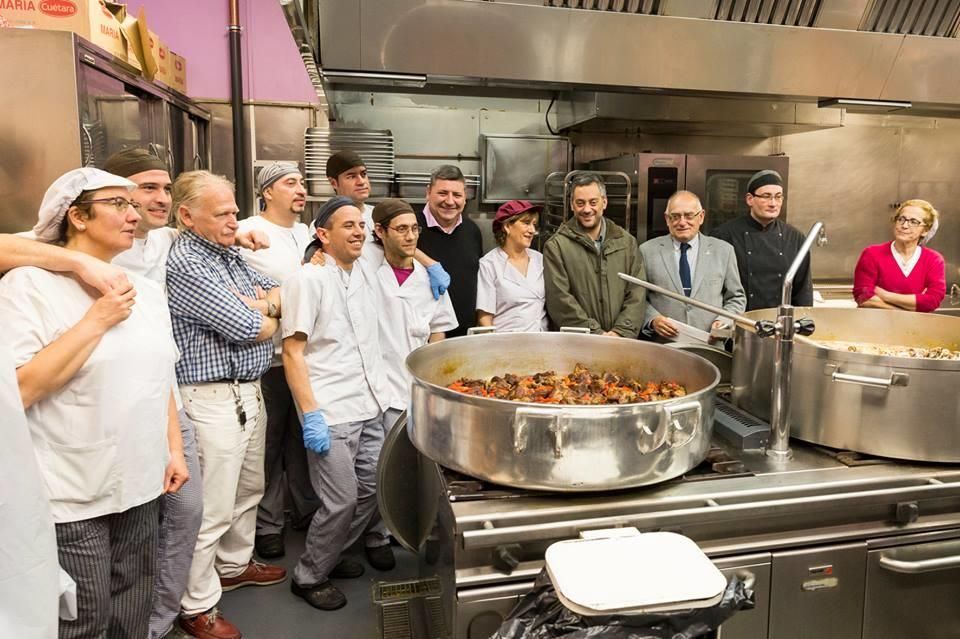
<point x="224" y="315"/>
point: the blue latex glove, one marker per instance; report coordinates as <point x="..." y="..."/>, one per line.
<point x="316" y="433"/>
<point x="439" y="280"/>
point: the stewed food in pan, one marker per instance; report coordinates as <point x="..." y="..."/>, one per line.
<point x="582" y="386"/>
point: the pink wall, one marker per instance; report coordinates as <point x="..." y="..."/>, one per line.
<point x="198" y="31"/>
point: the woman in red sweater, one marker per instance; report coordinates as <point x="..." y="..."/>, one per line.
<point x="903" y="274"/>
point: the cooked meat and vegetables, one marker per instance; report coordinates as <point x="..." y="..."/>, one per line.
<point x="582" y="386"/>
<point x="890" y="350"/>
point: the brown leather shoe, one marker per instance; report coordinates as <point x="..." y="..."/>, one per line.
<point x="256" y="574"/>
<point x="209" y="625"/>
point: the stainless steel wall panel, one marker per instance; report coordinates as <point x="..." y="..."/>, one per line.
<point x="279" y="131"/>
<point x="848" y="178"/>
<point x="340" y="28"/>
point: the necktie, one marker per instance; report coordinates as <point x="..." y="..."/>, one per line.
<point x="685" y="270"/>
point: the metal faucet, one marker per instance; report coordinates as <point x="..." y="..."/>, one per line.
<point x="955" y="293"/>
<point x="779" y="444"/>
<point x="784" y="328"/>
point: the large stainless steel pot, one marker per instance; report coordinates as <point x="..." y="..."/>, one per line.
<point x="562" y="448"/>
<point x="888" y="406"/>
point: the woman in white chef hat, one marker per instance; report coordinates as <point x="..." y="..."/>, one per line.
<point x="95" y="375"/>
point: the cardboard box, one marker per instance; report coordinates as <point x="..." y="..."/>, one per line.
<point x="178" y="72"/>
<point x="89" y="19"/>
<point x="128" y="25"/>
<point x="156" y="54"/>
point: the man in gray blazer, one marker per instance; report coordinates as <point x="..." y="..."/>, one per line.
<point x="688" y="262"/>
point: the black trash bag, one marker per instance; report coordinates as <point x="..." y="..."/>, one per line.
<point x="541" y="615"/>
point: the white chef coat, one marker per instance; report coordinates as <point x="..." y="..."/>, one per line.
<point x="281" y="260"/>
<point x="337" y="312"/>
<point x="29" y="573"/>
<point x="148" y="256"/>
<point x="101" y="440"/>
<point x="517" y="302"/>
<point x="408" y="315"/>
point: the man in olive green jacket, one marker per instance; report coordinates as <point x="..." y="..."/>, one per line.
<point x="581" y="262"/>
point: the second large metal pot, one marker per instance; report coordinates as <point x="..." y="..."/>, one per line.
<point x="562" y="448"/>
<point x="888" y="406"/>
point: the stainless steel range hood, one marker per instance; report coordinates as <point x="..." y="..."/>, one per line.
<point x="796" y="50"/>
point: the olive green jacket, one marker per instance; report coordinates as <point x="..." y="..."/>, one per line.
<point x="582" y="285"/>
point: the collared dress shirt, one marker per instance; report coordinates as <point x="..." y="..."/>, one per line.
<point x="214" y="329"/>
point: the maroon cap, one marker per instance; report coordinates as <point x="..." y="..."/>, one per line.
<point x="511" y="209"/>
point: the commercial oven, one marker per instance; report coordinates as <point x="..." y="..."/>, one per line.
<point x="719" y="180"/>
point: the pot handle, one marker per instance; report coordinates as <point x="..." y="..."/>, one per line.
<point x="575" y="329"/>
<point x="556" y="423"/>
<point x="677" y="434"/>
<point x="650" y="439"/>
<point x="481" y="330"/>
<point x="896" y="378"/>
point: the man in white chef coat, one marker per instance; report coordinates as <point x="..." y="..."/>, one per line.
<point x="334" y="367"/>
<point x="686" y="261"/>
<point x="347" y="174"/>
<point x="408" y="317"/>
<point x="281" y="189"/>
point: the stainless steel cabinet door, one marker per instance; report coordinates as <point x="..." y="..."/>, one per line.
<point x="749" y="624"/>
<point x="913" y="591"/>
<point x="818" y="593"/>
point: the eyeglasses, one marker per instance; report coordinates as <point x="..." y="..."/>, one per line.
<point x="766" y="197"/>
<point x="403" y="229"/>
<point x="119" y="203"/>
<point x="909" y="221"/>
<point x="689" y="216"/>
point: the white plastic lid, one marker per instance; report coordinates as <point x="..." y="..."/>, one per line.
<point x="633" y="574"/>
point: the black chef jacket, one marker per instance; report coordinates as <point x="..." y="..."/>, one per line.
<point x="764" y="255"/>
<point x="459" y="252"/>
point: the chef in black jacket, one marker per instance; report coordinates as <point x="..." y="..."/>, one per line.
<point x="452" y="239"/>
<point x="766" y="246"/>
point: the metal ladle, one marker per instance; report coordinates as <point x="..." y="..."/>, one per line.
<point x="785" y="327"/>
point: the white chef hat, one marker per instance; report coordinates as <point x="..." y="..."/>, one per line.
<point x="64" y="191"/>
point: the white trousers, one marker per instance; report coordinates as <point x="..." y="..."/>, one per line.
<point x="231" y="463"/>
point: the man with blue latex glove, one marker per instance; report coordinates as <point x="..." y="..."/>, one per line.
<point x="331" y="350"/>
<point x="439" y="279"/>
<point x="316" y="433"/>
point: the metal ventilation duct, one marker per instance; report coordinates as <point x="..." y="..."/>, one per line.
<point x="939" y="18"/>
<point x="644" y="7"/>
<point x="791" y="13"/>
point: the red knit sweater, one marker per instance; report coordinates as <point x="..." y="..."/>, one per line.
<point x="877" y="267"/>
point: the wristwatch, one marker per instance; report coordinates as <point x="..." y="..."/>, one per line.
<point x="272" y="310"/>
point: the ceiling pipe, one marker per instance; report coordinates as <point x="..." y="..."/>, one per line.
<point x="241" y="147"/>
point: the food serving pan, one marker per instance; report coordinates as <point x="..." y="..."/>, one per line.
<point x="900" y="407"/>
<point x="560" y="447"/>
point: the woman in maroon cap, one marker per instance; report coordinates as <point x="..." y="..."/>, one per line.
<point x="510" y="291"/>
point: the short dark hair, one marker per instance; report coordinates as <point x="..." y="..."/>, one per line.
<point x="586" y="178"/>
<point x="446" y="172"/>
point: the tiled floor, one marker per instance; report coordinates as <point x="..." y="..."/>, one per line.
<point x="274" y="613"/>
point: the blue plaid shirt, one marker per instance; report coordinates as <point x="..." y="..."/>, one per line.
<point x="214" y="329"/>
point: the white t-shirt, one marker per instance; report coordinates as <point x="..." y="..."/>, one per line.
<point x="101" y="440"/>
<point x="408" y="315"/>
<point x="337" y="312"/>
<point x="517" y="302"/>
<point x="280" y="260"/>
<point x="29" y="573"/>
<point x="148" y="257"/>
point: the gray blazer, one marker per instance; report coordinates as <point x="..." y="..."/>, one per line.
<point x="716" y="281"/>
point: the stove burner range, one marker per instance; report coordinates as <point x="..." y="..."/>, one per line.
<point x="718" y="464"/>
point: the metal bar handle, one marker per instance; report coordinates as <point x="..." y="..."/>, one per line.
<point x="895" y="379"/>
<point x="919" y="567"/>
<point x="575" y="329"/>
<point x="534" y="532"/>
<point x="739" y="319"/>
